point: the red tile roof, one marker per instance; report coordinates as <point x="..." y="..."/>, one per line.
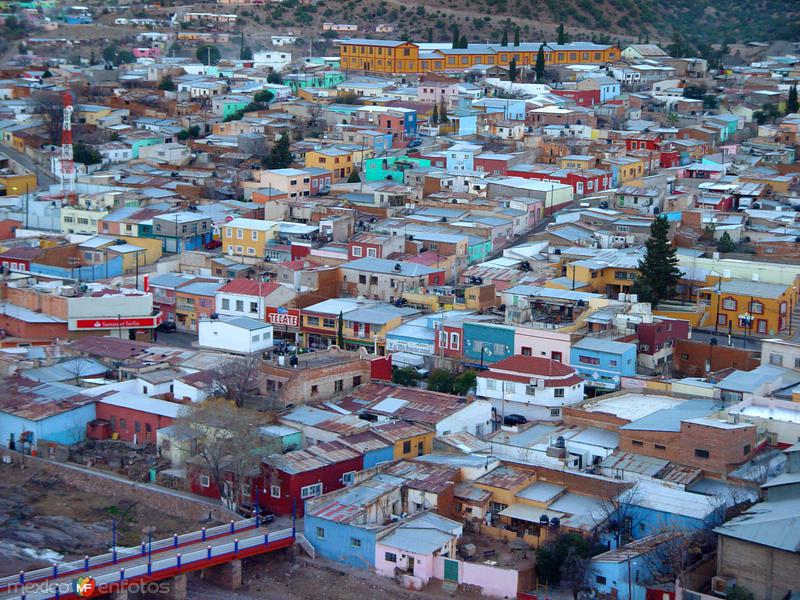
<point x="249" y="287"/>
<point x="533" y="365"/>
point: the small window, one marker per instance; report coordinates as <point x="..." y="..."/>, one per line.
<point x="356" y="380"/>
<point x="659" y="447"/>
<point x="314" y="390"/>
<point x="205" y="481"/>
<point x="390" y="557"/>
<point x="746" y="449"/>
<point x="637" y="443"/>
<point x="122" y="424"/>
<point x="320" y="533"/>
<point x="275" y="491"/>
<point x="600" y="579"/>
<point x="555" y="412"/>
<point x="406" y="447"/>
<point x="356" y="250"/>
<point x="338" y="385"/>
<point x="558" y="392"/>
<point x="355" y="542"/>
<point x="776" y="359"/>
<point x="700" y="453"/>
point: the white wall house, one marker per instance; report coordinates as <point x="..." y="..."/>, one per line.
<point x="277" y="60"/>
<point x="474" y="418"/>
<point x="240" y="335"/>
<point x="531" y="386"/>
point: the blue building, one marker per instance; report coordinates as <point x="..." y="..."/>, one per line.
<point x="343" y="526"/>
<point x="183" y="231"/>
<point x="623" y="573"/>
<point x="376" y="449"/>
<point x="34" y="412"/>
<point x="487" y="343"/>
<point x="603" y="363"/>
<point x="111" y="267"/>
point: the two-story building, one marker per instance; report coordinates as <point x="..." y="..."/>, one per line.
<point x="603" y="362"/>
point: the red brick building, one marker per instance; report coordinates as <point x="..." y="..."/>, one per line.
<point x="136" y="419"/>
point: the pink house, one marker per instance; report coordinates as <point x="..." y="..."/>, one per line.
<point x="414" y="546"/>
<point x="435" y="88"/>
<point x="530" y="341"/>
<point x="146" y="53"/>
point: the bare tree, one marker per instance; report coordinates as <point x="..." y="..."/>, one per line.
<point x="575" y="572"/>
<point x="50" y="106"/>
<point x="228" y="442"/>
<point x="618" y="514"/>
<point x="676" y="552"/>
<point x="239" y="379"/>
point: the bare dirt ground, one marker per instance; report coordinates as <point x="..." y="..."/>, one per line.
<point x="39" y="513"/>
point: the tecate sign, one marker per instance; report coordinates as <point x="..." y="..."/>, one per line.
<point x="288" y="317"/>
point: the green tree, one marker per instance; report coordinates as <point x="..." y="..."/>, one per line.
<point x="125" y="57"/>
<point x="405" y="376"/>
<point x="208" y="55"/>
<point x="246" y="53"/>
<point x="504" y="39"/>
<point x="738" y="593"/>
<point x="539" y="68"/>
<point x="512" y="70"/>
<point x="275" y="77"/>
<point x="167" y="84"/>
<point x="443" y="118"/>
<point x="280" y="156"/>
<point x="658" y="269"/>
<point x="430" y="35"/>
<point x="516" y="36"/>
<point x="441" y="380"/>
<point x="194" y="131"/>
<point x="725" y="243"/>
<point x="435" y="115"/>
<point x="340" y="331"/>
<point x="562" y="37"/>
<point x="182" y="135"/>
<point x="464" y="382"/>
<point x="87" y="155"/>
<point x="463" y="43"/>
<point x="456" y="36"/>
<point x="354" y="177"/>
<point x="555" y="555"/>
<point x="264" y="96"/>
<point x="792" y="105"/>
<point x="110" y="55"/>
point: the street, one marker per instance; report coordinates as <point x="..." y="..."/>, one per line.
<point x="736" y="341"/>
<point x="43" y="178"/>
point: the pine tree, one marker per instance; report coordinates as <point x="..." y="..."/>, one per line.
<point x="430" y="35"/>
<point x="443" y="118"/>
<point x="504" y="39"/>
<point x="562" y="37"/>
<point x="658" y="269"/>
<point x="726" y="243"/>
<point x="435" y="115"/>
<point x="516" y="36"/>
<point x="340" y="331"/>
<point x="354" y="177"/>
<point x="792" y="105"/>
<point x="512" y="70"/>
<point x="463" y="43"/>
<point x="456" y="37"/>
<point x="539" y="68"/>
<point x="280" y="157"/>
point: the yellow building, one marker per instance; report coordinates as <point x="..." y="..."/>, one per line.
<point x="609" y="272"/>
<point x="409" y="439"/>
<point x="336" y="160"/>
<point x="748" y="306"/>
<point x="577" y="161"/>
<point x="398" y="57"/>
<point x="92" y="114"/>
<point x="83" y="216"/>
<point x="625" y="168"/>
<point x="15" y="179"/>
<point x="248" y="237"/>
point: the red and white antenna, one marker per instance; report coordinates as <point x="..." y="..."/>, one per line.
<point x="67" y="163"/>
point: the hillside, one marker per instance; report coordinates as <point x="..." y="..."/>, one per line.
<point x="699" y="21"/>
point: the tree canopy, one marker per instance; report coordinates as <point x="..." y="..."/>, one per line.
<point x="208" y="55"/>
<point x="658" y="269"/>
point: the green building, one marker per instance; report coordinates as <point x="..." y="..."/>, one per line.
<point x="392" y="167"/>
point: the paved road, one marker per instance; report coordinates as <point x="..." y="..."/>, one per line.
<point x="44" y="178"/>
<point x="736" y="340"/>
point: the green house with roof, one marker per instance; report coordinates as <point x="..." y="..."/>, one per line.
<point x="392" y="167"/>
<point x="322" y="79"/>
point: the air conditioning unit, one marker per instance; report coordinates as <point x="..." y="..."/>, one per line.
<point x="721" y="584"/>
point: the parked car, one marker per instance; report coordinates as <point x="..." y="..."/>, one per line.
<point x="213" y="244"/>
<point x="415" y="143"/>
<point x="249" y="510"/>
<point x="514" y="420"/>
<point x="167" y="327"/>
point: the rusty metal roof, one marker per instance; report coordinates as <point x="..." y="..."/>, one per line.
<point x="32" y="400"/>
<point x="506" y="478"/>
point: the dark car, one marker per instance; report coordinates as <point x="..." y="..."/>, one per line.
<point x="415" y="143"/>
<point x="167" y="327"/>
<point x="249" y="511"/>
<point x="213" y="244"/>
<point x="513" y="420"/>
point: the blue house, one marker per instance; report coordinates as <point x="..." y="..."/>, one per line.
<point x="35" y="412"/>
<point x="603" y="363"/>
<point x="376" y="449"/>
<point x="487" y="343"/>
<point x="112" y="267"/>
<point x="343" y="526"/>
<point x="623" y="573"/>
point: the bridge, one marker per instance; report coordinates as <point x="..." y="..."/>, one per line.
<point x="153" y="561"/>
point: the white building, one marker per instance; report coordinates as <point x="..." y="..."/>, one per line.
<point x="283" y="40"/>
<point x="240" y="335"/>
<point x="276" y="60"/>
<point x="532" y="386"/>
<point x="115" y="152"/>
<point x="172" y="153"/>
<point x="243" y="297"/>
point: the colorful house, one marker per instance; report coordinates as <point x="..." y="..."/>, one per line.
<point x="248" y="237"/>
<point x="748" y="306"/>
<point x="487" y="343"/>
<point x="336" y="160"/>
<point x="602" y="362"/>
